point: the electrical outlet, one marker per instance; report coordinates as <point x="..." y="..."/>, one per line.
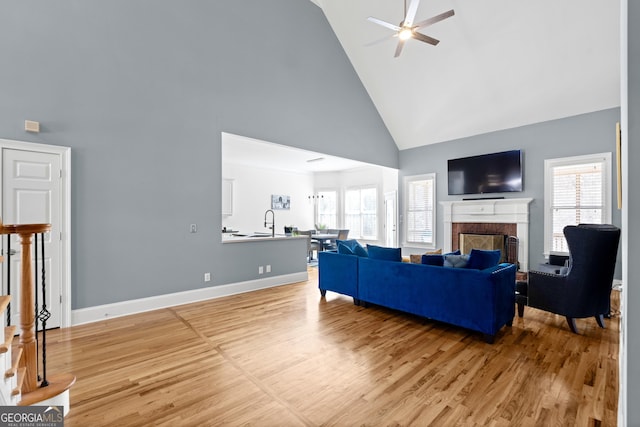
<point x="268" y="268"/>
<point x="260" y="270"/>
<point x="193" y="228"/>
<point x="207" y="277"/>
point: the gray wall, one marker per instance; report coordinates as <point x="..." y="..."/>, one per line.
<point x="573" y="136"/>
<point x="631" y="313"/>
<point x="141" y="91"/>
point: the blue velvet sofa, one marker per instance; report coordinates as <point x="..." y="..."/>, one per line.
<point x="480" y="300"/>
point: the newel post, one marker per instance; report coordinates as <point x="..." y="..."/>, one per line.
<point x="27" y="316"/>
<point x="28" y="343"/>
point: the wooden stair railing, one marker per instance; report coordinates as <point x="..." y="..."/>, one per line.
<point x="33" y="391"/>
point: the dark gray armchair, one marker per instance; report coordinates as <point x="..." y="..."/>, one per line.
<point x="584" y="289"/>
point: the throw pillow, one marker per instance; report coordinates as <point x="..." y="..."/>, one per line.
<point x="437" y="260"/>
<point x="344" y="249"/>
<point x="382" y="253"/>
<point x="480" y="259"/>
<point x="354" y="246"/>
<point x="360" y="251"/>
<point x="456" y="252"/>
<point x="417" y="259"/>
<point x="456" y="261"/>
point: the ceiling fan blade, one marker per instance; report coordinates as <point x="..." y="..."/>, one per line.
<point x="416" y="35"/>
<point x="435" y="19"/>
<point x="383" y="39"/>
<point x="383" y="23"/>
<point x="399" y="48"/>
<point x="411" y="13"/>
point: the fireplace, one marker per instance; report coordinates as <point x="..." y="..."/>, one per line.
<point x="501" y="217"/>
<point x="486" y="242"/>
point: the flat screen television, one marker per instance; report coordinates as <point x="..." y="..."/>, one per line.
<point x="487" y="173"/>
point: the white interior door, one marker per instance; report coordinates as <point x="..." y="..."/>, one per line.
<point x="32" y="194"/>
<point x="390" y="219"/>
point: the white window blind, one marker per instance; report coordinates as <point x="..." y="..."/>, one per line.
<point x="327" y="209"/>
<point x="577" y="192"/>
<point x="420" y="209"/>
<point x="360" y="213"/>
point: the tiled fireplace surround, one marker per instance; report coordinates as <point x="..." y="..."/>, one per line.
<point x="509" y="217"/>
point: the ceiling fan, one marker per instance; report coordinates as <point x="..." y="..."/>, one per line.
<point x="408" y="30"/>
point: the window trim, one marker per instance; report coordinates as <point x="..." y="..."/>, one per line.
<point x="549" y="164"/>
<point x="405" y="208"/>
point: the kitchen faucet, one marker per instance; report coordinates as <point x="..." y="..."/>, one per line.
<point x="273" y="222"/>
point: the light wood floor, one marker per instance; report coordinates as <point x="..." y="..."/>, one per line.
<point x="286" y="357"/>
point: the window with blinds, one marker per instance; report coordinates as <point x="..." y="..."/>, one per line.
<point x="360" y="212"/>
<point x="419" y="195"/>
<point x="577" y="191"/>
<point x="327" y="209"/>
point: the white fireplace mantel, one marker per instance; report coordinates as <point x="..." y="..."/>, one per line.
<point x="508" y="211"/>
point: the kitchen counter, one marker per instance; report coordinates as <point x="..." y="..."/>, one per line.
<point x="255" y="237"/>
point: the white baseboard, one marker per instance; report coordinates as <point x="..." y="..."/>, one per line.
<point x="124" y="308"/>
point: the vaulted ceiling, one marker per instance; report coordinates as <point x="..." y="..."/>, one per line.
<point x="500" y="63"/>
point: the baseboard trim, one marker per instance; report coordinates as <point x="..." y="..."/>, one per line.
<point x="125" y="308"/>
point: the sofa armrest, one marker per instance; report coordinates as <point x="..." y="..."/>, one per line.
<point x="547" y="291"/>
<point x="338" y="273"/>
<point x="504" y="279"/>
<point x="494" y="268"/>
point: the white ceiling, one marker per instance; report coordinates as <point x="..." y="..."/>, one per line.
<point x="500" y="63"/>
<point x="241" y="150"/>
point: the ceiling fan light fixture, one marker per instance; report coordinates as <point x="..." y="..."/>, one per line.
<point x="405" y="33"/>
<point x="408" y="29"/>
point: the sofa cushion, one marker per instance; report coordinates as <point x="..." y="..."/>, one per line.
<point x="456" y="261"/>
<point x="417" y="259"/>
<point x="351" y="247"/>
<point x="437" y="260"/>
<point x="382" y="253"/>
<point x="480" y="259"/>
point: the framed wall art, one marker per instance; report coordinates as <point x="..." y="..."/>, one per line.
<point x="280" y="202"/>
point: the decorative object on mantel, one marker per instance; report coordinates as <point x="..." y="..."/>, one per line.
<point x="281" y="202"/>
